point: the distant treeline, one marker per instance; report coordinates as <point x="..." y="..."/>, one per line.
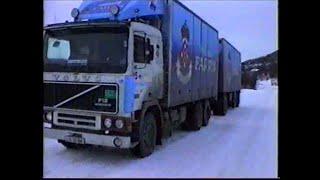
<point x="261" y="68"/>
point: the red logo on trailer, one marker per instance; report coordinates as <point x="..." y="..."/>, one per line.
<point x="184" y="64"/>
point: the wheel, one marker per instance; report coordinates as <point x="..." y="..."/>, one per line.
<point x="206" y="114"/>
<point x="234" y="100"/>
<point x="69" y="145"/>
<point x="229" y="99"/>
<point x="168" y="128"/>
<point x="225" y="105"/>
<point x="238" y="99"/>
<point x="222" y="105"/>
<point x="147" y="136"/>
<point x="195" y="117"/>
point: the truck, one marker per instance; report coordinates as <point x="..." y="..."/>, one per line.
<point x="229" y="85"/>
<point x="127" y="73"/>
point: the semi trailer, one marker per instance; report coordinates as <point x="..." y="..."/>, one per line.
<point x="126" y="73"/>
<point x="229" y="85"/>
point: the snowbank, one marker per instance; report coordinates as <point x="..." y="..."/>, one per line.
<point x="263" y="84"/>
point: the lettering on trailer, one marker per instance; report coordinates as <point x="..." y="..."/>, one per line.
<point x="205" y="64"/>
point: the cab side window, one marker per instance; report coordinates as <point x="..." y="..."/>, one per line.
<point x="139" y="52"/>
<point x="150" y="51"/>
<point x="143" y="50"/>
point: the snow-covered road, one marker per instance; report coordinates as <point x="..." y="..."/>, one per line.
<point x="241" y="144"/>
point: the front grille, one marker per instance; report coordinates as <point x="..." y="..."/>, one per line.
<point x="55" y="93"/>
<point x="77" y="120"/>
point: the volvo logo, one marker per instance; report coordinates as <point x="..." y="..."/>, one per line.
<point x="66" y="78"/>
<point x="56" y="76"/>
<point x="86" y="77"/>
<point x="98" y="78"/>
<point x="74" y="77"/>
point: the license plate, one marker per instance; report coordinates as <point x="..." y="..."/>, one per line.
<point x="74" y="139"/>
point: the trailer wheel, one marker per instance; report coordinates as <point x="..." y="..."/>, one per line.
<point x="222" y="105"/>
<point x="206" y="114"/>
<point x="238" y="99"/>
<point x="234" y="100"/>
<point x="230" y="99"/>
<point x="225" y="106"/>
<point x="147" y="136"/>
<point x="195" y="117"/>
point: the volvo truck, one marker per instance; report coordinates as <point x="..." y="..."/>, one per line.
<point x="126" y="73"/>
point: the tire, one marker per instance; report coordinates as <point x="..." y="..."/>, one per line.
<point x="69" y="145"/>
<point x="206" y="114"/>
<point x="184" y="126"/>
<point x="238" y="99"/>
<point x="225" y="106"/>
<point x="195" y="117"/>
<point x="147" y="136"/>
<point x="228" y="99"/>
<point x="234" y="100"/>
<point x="168" y="128"/>
<point x="222" y="105"/>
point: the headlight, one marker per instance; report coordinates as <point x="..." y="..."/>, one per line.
<point x="119" y="123"/>
<point x="48" y="116"/>
<point x="107" y="122"/>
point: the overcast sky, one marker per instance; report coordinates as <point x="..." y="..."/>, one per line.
<point x="250" y="25"/>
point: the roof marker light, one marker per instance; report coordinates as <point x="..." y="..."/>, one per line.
<point x="75" y="12"/>
<point x="114" y="9"/>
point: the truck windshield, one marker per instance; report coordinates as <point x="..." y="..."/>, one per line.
<point x="86" y="50"/>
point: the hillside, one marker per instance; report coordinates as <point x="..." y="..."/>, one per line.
<point x="267" y="64"/>
<point x="259" y="68"/>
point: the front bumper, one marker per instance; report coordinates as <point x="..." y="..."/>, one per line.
<point x="94" y="139"/>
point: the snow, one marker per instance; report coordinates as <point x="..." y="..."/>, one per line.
<point x="263" y="84"/>
<point x="241" y="144"/>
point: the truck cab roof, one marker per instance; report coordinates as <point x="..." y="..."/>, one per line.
<point x="85" y="24"/>
<point x="119" y="9"/>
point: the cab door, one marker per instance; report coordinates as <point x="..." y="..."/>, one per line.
<point x="148" y="65"/>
